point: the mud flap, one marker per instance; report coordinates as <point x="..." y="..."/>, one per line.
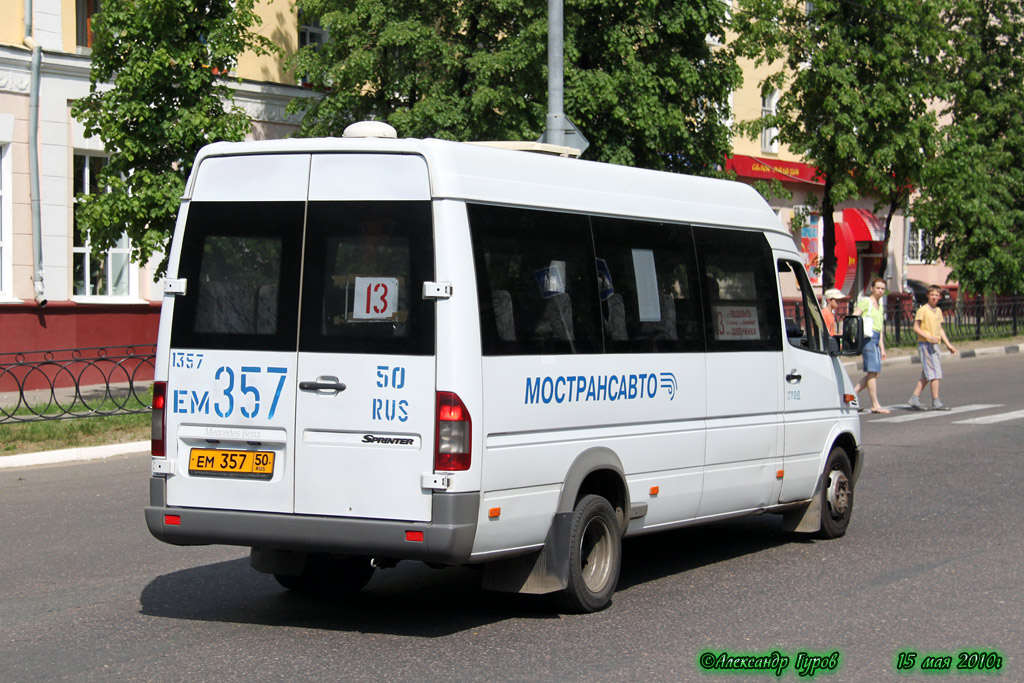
<point x="805" y="520"/>
<point x="545" y="571"/>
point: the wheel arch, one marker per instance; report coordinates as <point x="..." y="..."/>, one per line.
<point x="849" y="444"/>
<point x="597" y="471"/>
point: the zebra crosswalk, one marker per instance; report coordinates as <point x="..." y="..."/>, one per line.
<point x="992" y="419"/>
<point x="932" y="414"/>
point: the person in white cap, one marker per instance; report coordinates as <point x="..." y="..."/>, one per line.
<point x="832" y="298"/>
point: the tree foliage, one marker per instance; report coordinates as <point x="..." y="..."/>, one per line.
<point x="157" y="94"/>
<point x="642" y="81"/>
<point x="856" y="79"/>
<point x="973" y="194"/>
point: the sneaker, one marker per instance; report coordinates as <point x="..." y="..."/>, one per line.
<point x="915" y="403"/>
<point x="939" y="405"/>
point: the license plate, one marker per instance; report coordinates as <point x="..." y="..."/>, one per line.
<point x="215" y="462"/>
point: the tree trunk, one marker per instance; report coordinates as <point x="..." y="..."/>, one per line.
<point x="828" y="238"/>
<point x="884" y="263"/>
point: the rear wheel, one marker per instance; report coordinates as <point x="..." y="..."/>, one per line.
<point x="836" y="494"/>
<point x="595" y="556"/>
<point x="329" y="575"/>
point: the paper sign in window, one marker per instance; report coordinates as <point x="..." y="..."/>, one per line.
<point x="375" y="298"/>
<point x="551" y="280"/>
<point x="736" y="322"/>
<point x="646" y="286"/>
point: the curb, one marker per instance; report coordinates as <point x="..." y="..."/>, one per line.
<point x="946" y="356"/>
<point x="72" y="454"/>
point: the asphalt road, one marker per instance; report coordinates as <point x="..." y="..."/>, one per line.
<point x="933" y="563"/>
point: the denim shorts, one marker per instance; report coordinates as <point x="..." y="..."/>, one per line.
<point x="872" y="355"/>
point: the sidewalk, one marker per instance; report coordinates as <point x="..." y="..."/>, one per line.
<point x="967" y="349"/>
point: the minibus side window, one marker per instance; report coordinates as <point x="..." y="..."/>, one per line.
<point x="649" y="291"/>
<point x="535" y="281"/>
<point x="363" y="274"/>
<point x="805" y="327"/>
<point x="740" y="290"/>
<point x="237" y="259"/>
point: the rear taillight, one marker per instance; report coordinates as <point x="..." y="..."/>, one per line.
<point x="159" y="423"/>
<point x="452" y="447"/>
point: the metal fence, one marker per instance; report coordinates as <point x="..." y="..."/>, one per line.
<point x="71" y="383"/>
<point x="966" y="320"/>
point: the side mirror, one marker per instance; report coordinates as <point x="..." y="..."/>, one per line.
<point x="851" y="342"/>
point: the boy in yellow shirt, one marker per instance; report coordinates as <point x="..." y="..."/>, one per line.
<point x="928" y="326"/>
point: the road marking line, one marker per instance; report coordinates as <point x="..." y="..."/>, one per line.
<point x="928" y="414"/>
<point x="992" y="419"/>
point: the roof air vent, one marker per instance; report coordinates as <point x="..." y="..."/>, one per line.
<point x="370" y="129"/>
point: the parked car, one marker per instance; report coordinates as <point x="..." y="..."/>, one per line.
<point x="920" y="291"/>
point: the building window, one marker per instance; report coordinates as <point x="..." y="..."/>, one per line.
<point x="107" y="275"/>
<point x="918" y="244"/>
<point x="84" y="9"/>
<point x="769" y="136"/>
<point x="310" y="33"/>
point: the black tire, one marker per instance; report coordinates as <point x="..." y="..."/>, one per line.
<point x="836" y="494"/>
<point x="595" y="556"/>
<point x="329" y="576"/>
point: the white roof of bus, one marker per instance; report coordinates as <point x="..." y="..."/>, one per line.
<point x="498" y="176"/>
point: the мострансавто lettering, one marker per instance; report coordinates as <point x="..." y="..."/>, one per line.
<point x="585" y="388"/>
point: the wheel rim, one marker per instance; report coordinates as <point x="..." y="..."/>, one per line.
<point x="596" y="554"/>
<point x="838" y="493"/>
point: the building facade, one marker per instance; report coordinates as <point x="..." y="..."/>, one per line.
<point x="860" y="232"/>
<point x="87" y="300"/>
<point x="105" y="300"/>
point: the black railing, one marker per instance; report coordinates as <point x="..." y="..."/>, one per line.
<point x="72" y="383"/>
<point x="964" y="321"/>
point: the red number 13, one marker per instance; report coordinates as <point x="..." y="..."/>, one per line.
<point x="382" y="290"/>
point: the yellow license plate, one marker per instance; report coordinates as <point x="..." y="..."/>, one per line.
<point x="217" y="462"/>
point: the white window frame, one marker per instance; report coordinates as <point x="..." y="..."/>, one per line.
<point x="85" y="251"/>
<point x="310" y="34"/>
<point x="770" y="135"/>
<point x="916" y="244"/>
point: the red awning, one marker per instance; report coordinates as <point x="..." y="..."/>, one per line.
<point x="846" y="258"/>
<point x="864" y="225"/>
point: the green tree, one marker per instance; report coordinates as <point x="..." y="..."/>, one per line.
<point x="856" y="79"/>
<point x="972" y="199"/>
<point x="157" y="93"/>
<point x="642" y="80"/>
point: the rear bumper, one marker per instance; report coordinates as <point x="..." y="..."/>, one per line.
<point x="447" y="539"/>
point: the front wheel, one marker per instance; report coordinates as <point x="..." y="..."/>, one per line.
<point x="836" y="494"/>
<point x="595" y="556"/>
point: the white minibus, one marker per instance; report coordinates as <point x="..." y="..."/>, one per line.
<point x="375" y="349"/>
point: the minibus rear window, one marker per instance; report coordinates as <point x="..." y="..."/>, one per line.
<point x="365" y="265"/>
<point x="237" y="258"/>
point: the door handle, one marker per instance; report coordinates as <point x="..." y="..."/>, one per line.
<point x="323" y="384"/>
<point x="794" y="377"/>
